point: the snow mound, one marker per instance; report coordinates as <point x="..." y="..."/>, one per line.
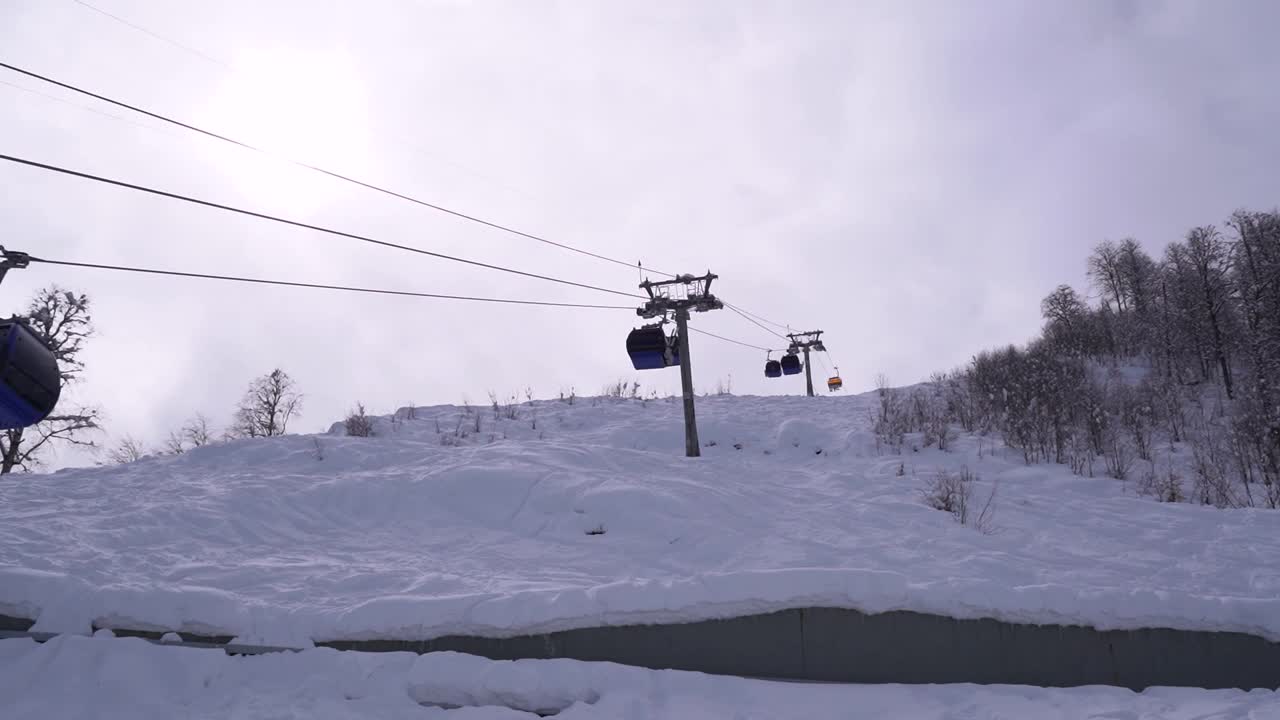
<point x="551" y="515"/>
<point x="73" y="677"/>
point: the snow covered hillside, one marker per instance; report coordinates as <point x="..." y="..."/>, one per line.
<point x="555" y="515"/>
<point x="72" y="677"/>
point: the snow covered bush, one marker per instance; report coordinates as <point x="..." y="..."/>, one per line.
<point x="357" y="423"/>
<point x="893" y="420"/>
<point x="936" y="413"/>
<point x="1165" y="486"/>
<point x="950" y="493"/>
<point x="1118" y="454"/>
<point x="953" y="493"/>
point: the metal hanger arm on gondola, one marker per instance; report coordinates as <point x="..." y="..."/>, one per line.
<point x="772" y="368"/>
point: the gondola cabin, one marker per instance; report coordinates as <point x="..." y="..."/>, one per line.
<point x="772" y="368"/>
<point x="650" y="348"/>
<point x="647" y="347"/>
<point x="834" y="383"/>
<point x="29" y="379"/>
<point x="791" y="364"/>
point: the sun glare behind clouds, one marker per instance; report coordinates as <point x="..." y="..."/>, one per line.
<point x="300" y="105"/>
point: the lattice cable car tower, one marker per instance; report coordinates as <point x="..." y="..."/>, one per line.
<point x="650" y="347"/>
<point x="803" y="342"/>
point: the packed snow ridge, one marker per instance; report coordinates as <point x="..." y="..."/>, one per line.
<point x="74" y="677"/>
<point x="551" y="515"/>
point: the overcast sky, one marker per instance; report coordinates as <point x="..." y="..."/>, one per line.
<point x="910" y="177"/>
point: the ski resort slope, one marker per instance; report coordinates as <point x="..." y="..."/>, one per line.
<point x="556" y="515"/>
<point x="75" y="677"/>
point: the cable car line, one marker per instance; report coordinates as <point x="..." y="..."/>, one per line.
<point x="743" y="310"/>
<point x="308" y="226"/>
<point x="339" y="176"/>
<point x="227" y="68"/>
<point x="752" y="317"/>
<point x="736" y="342"/>
<point x="157" y="36"/>
<point x="79" y="106"/>
<point x="321" y="286"/>
<point x="346" y="288"/>
<point x="823" y="363"/>
<point x="339" y="233"/>
<point x="748" y="318"/>
<point x="323" y="171"/>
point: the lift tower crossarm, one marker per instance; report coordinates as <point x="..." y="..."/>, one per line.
<point x="12" y="260"/>
<point x="678" y="297"/>
<point x="684" y="292"/>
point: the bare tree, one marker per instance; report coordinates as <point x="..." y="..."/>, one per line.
<point x="1105" y="269"/>
<point x="195" y="433"/>
<point x="1256" y="280"/>
<point x="128" y="450"/>
<point x="267" y="406"/>
<point x="1138" y="284"/>
<point x="63" y="319"/>
<point x="1066" y="315"/>
<point x="1137" y="275"/>
<point x="1207" y="317"/>
<point x="1211" y="261"/>
<point x="1198" y="271"/>
<point x="173" y="444"/>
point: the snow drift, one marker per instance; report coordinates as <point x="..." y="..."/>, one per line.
<point x="73" y="677"/>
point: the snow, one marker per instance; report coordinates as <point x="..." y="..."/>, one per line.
<point x="76" y="677"/>
<point x="420" y="532"/>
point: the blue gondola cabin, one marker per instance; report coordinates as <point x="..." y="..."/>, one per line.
<point x="30" y="382"/>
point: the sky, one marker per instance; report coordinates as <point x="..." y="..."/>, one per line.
<point x="911" y="177"/>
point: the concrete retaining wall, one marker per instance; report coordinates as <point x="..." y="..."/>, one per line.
<point x="827" y="644"/>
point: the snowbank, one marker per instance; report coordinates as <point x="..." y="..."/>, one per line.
<point x="587" y="514"/>
<point x="74" y="677"/>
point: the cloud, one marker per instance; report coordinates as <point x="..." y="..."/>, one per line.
<point x="910" y="177"/>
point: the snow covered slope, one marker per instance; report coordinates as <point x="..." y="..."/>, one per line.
<point x="73" y="677"/>
<point x="588" y="514"/>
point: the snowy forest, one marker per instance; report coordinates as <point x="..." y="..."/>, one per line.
<point x="1164" y="373"/>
